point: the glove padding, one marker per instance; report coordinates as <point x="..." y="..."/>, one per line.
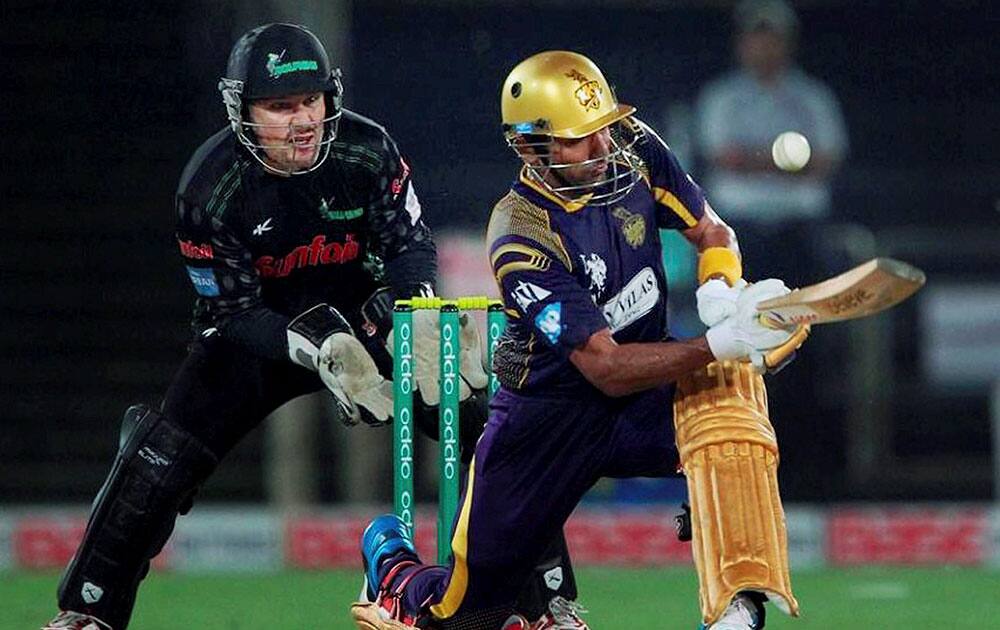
<point x="742" y="335"/>
<point x="322" y="340"/>
<point x="427" y="350"/>
<point x="717" y="300"/>
<point x="349" y="372"/>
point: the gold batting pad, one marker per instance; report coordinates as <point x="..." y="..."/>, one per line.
<point x="730" y="457"/>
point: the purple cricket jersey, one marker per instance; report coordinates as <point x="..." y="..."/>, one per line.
<point x="565" y="271"/>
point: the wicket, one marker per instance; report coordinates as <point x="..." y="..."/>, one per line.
<point x="448" y="414"/>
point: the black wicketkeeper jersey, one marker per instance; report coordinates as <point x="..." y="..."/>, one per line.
<point x="261" y="248"/>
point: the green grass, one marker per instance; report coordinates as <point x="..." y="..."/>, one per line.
<point x="632" y="599"/>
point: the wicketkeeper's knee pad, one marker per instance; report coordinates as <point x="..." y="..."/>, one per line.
<point x="729" y="453"/>
<point x="158" y="467"/>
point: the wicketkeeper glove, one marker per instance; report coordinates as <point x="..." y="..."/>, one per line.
<point x="427" y="350"/>
<point x="742" y="335"/>
<point x="322" y="340"/>
<point x="377" y="313"/>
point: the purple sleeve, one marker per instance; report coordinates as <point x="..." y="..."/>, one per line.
<point x="680" y="202"/>
<point x="542" y="295"/>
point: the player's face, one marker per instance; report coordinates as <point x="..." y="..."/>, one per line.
<point x="763" y="52"/>
<point x="291" y="129"/>
<point x="589" y="150"/>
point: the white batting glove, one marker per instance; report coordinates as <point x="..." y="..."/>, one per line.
<point x="741" y="335"/>
<point x="717" y="300"/>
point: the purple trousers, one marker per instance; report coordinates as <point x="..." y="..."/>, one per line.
<point x="534" y="462"/>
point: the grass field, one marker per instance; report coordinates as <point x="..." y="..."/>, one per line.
<point x="633" y="599"/>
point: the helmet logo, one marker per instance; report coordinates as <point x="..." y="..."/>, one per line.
<point x="275" y="68"/>
<point x="589" y="93"/>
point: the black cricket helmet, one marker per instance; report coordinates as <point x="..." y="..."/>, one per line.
<point x="277" y="60"/>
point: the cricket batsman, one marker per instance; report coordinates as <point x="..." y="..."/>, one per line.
<point x="592" y="384"/>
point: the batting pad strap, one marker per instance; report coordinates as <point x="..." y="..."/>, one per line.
<point x="729" y="453"/>
<point x="307" y="332"/>
<point x="719" y="261"/>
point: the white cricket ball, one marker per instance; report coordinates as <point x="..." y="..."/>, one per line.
<point x="790" y="151"/>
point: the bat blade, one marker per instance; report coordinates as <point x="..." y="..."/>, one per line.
<point x="867" y="289"/>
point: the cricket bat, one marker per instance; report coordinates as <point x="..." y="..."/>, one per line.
<point x="867" y="289"/>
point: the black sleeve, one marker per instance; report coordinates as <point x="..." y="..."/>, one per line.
<point x="220" y="268"/>
<point x="398" y="234"/>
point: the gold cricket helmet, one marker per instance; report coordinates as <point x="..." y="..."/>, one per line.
<point x="562" y="94"/>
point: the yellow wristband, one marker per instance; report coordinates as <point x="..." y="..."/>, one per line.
<point x="720" y="261"/>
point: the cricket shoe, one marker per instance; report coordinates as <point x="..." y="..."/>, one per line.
<point x="381" y="601"/>
<point x="385" y="536"/>
<point x="743" y="613"/>
<point x="69" y="620"/>
<point x="563" y="614"/>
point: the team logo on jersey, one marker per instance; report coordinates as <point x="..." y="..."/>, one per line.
<point x="276" y="68"/>
<point x="639" y="296"/>
<point x="318" y="252"/>
<point x="526" y="294"/>
<point x="339" y="215"/>
<point x="589" y="93"/>
<point x="633" y="226"/>
<point x="597" y="270"/>
<point x="549" y="321"/>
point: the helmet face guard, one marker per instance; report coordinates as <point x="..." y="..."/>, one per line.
<point x="621" y="174"/>
<point x="273" y="61"/>
<point x="561" y="94"/>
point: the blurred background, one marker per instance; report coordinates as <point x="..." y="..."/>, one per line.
<point x="889" y="427"/>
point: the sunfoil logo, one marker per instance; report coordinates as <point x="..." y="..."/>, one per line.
<point x="404" y="419"/>
<point x="276" y="68"/>
<point x="449" y="387"/>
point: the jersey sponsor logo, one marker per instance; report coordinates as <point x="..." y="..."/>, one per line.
<point x="316" y="253"/>
<point x="633" y="226"/>
<point x="638" y="297"/>
<point x="589" y="93"/>
<point x="526" y="294"/>
<point x="276" y="68"/>
<point x="197" y="251"/>
<point x="597" y="270"/>
<point x="204" y="281"/>
<point x="263" y="226"/>
<point x="549" y="321"/>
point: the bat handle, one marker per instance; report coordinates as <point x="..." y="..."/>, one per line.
<point x="770" y="322"/>
<point x="779" y="355"/>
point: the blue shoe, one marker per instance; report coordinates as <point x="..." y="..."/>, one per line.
<point x="384" y="537"/>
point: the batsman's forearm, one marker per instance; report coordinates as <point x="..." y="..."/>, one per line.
<point x="635" y="367"/>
